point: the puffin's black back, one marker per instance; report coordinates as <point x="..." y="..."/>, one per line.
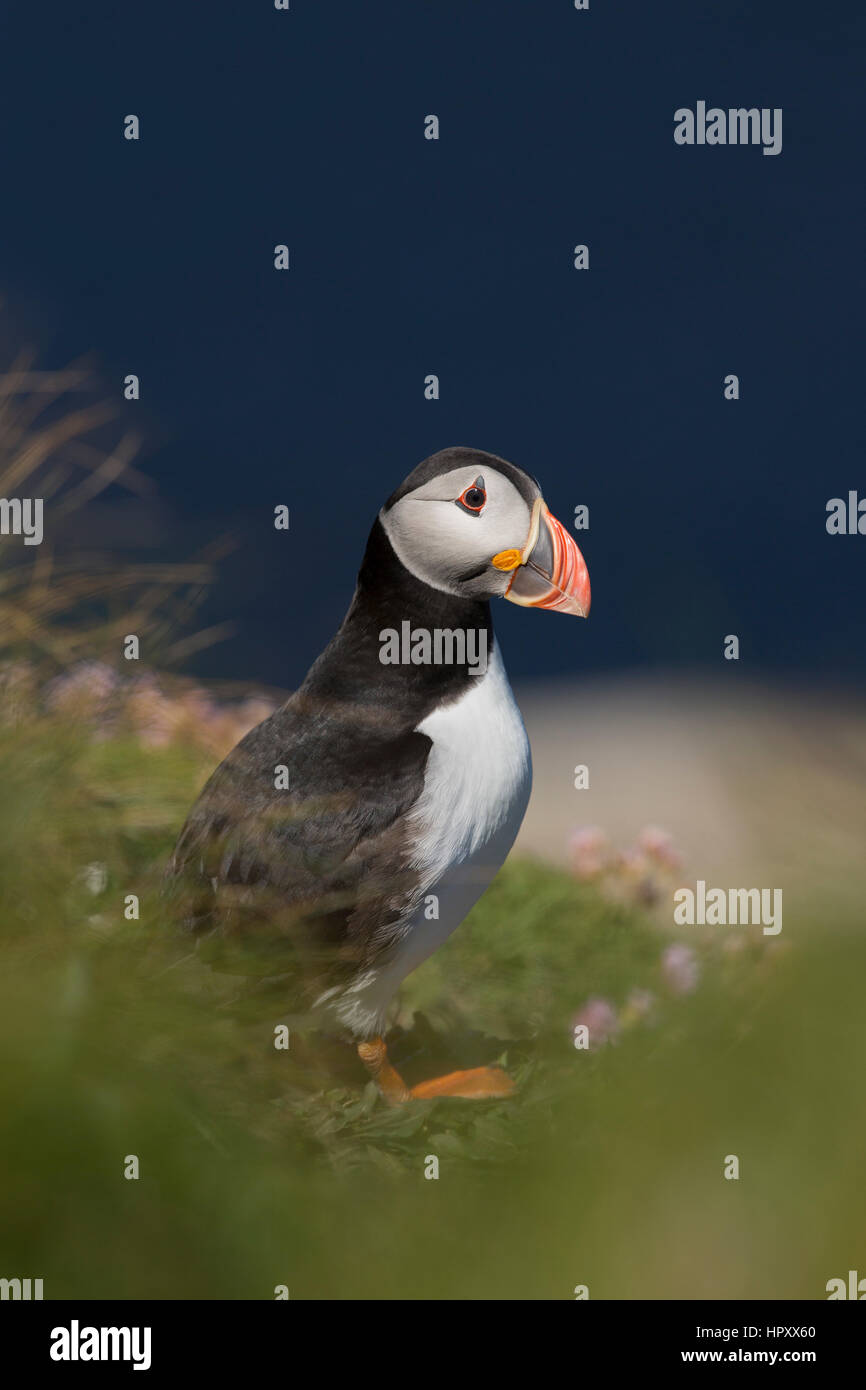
<point x="312" y="883"/>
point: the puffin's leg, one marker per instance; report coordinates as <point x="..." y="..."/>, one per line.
<point x="392" y="1087"/>
<point x="479" y="1083"/>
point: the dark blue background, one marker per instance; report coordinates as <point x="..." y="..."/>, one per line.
<point x="409" y="257"/>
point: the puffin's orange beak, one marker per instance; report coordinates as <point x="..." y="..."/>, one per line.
<point x="550" y="571"/>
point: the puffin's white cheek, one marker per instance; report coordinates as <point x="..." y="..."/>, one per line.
<point x="446" y="546"/>
<point x="427" y="541"/>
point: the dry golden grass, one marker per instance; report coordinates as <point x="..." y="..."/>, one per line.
<point x="59" y="444"/>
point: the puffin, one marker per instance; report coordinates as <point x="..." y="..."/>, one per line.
<point x="345" y="837"/>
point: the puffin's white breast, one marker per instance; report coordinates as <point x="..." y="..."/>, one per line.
<point x="477" y="777"/>
<point x="476" y="787"/>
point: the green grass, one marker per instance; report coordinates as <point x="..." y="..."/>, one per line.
<point x="261" y="1167"/>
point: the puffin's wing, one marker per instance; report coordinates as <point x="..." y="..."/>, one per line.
<point x="295" y="859"/>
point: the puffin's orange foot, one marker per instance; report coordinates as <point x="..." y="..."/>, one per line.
<point x="479" y="1083"/>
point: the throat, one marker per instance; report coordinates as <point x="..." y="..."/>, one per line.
<point x="404" y="645"/>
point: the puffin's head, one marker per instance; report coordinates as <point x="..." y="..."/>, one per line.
<point x="473" y="525"/>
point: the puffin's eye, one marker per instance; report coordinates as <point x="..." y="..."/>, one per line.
<point x="473" y="498"/>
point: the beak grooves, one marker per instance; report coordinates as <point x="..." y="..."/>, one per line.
<point x="552" y="573"/>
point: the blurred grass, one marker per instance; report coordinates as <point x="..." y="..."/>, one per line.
<point x="262" y="1167"/>
<point x="62" y="445"/>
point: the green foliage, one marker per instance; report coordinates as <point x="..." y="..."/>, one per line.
<point x="262" y="1167"/>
